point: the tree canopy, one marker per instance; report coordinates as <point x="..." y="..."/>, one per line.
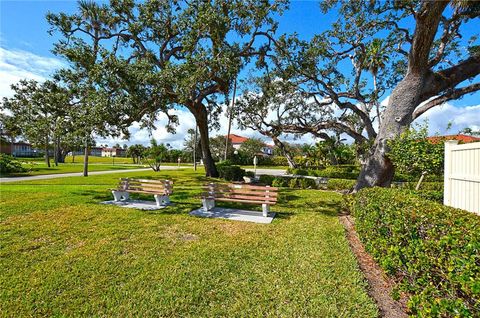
<point x="166" y="54"/>
<point x="411" y="51"/>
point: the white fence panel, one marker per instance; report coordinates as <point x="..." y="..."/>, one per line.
<point x="462" y="176"/>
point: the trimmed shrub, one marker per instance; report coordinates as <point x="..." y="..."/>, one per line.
<point x="8" y="164"/>
<point x="431" y="250"/>
<point x="339" y="172"/>
<point x="411" y="178"/>
<point x="306" y="183"/>
<point x="293" y="183"/>
<point x="436" y="186"/>
<point x="280" y="182"/>
<point x="229" y="172"/>
<point x="432" y="195"/>
<point x="249" y="174"/>
<point x="266" y="179"/>
<point x="279" y="161"/>
<point x="340" y="184"/>
<point x="336" y="173"/>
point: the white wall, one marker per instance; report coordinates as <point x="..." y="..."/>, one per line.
<point x="462" y="176"/>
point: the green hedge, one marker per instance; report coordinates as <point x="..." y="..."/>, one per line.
<point x="340" y="184"/>
<point x="437" y="186"/>
<point x="293" y="183"/>
<point x="339" y="172"/>
<point x="306" y="183"/>
<point x="8" y="164"/>
<point x="433" y="251"/>
<point x="352" y="172"/>
<point x="230" y="172"/>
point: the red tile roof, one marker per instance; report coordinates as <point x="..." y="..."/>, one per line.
<point x="236" y="139"/>
<point x="462" y="138"/>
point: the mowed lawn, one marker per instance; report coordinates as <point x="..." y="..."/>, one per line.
<point x="64" y="254"/>
<point x="41" y="168"/>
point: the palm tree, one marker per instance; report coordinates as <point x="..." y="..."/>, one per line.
<point x="375" y="59"/>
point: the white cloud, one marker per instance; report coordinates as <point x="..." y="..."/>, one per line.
<point x="18" y="64"/>
<point x="186" y="122"/>
<point x="459" y="117"/>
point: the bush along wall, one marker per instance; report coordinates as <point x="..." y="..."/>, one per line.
<point x="230" y="172"/>
<point x="431" y="250"/>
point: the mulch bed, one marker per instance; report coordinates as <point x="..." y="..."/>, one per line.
<point x="380" y="285"/>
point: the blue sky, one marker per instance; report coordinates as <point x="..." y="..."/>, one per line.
<point x="25" y="53"/>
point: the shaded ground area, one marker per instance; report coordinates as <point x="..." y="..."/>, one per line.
<point x="64" y="254"/>
<point x="380" y="286"/>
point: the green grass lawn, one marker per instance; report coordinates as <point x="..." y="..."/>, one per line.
<point x="118" y="160"/>
<point x="97" y="159"/>
<point x="40" y="168"/>
<point x="64" y="254"/>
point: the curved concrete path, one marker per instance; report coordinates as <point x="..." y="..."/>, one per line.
<point x="78" y="174"/>
<point x="273" y="172"/>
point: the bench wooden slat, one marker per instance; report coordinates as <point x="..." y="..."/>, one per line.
<point x="245" y="197"/>
<point x="239" y="195"/>
<point x="156" y="184"/>
<point x="163" y="187"/>
<point x="242" y="191"/>
<point x="140" y="185"/>
<point x="146" y="180"/>
<point x="147" y="192"/>
<point x="241" y="186"/>
<point x="243" y="201"/>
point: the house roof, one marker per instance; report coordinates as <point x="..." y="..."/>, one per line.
<point x="236" y="139"/>
<point x="462" y="138"/>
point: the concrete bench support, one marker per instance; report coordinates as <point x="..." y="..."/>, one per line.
<point x="162" y="199"/>
<point x="120" y="195"/>
<point x="265" y="209"/>
<point x="208" y="204"/>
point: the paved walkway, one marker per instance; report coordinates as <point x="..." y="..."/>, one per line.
<point x="78" y="174"/>
<point x="273" y="172"/>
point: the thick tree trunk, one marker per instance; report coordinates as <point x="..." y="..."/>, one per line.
<point x="61" y="153"/>
<point x="378" y="169"/>
<point x="61" y="156"/>
<point x="85" y="161"/>
<point x="195" y="149"/>
<point x="202" y="123"/>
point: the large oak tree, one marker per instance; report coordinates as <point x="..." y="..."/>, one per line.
<point x="412" y="50"/>
<point x="167" y="53"/>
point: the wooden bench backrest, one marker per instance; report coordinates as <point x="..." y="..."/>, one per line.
<point x="242" y="192"/>
<point x="165" y="186"/>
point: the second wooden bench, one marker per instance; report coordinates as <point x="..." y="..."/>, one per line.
<point x="243" y="193"/>
<point x="161" y="189"/>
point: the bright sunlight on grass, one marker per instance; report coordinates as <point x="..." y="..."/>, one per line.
<point x="64" y="254"/>
<point x="40" y="168"/>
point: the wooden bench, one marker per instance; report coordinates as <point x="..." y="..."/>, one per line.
<point x="161" y="189"/>
<point x="243" y="193"/>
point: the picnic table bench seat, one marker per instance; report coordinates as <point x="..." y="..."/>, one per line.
<point x="242" y="193"/>
<point x="161" y="189"/>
